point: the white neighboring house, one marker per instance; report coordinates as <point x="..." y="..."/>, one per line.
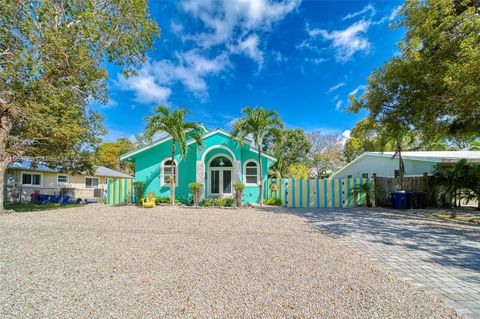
<point x="384" y="164"/>
<point x="23" y="179"/>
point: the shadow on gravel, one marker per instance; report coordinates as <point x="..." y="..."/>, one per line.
<point x="442" y="243"/>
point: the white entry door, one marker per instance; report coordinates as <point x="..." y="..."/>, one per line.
<point x="220" y="181"/>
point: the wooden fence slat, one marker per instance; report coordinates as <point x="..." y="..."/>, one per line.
<point x="299" y="193"/>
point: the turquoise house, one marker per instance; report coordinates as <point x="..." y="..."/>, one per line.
<point x="218" y="165"/>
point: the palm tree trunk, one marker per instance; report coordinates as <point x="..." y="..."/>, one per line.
<point x="260" y="187"/>
<point x="173" y="176"/>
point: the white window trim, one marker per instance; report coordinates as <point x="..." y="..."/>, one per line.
<point x="162" y="170"/>
<point x="63" y="183"/>
<point x="245" y="173"/>
<point x="31" y="173"/>
<point x="92" y="177"/>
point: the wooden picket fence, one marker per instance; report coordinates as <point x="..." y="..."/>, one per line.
<point x="120" y="192"/>
<point x="318" y="193"/>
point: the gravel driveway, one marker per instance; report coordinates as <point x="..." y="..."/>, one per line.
<point x="127" y="262"/>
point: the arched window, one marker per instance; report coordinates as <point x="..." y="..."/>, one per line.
<point x="168" y="171"/>
<point x="251" y="173"/>
<point x="221" y="161"/>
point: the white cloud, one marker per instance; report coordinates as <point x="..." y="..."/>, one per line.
<point x="233" y="27"/>
<point x="226" y="17"/>
<point x="345" y="136"/>
<point x="394" y="13"/>
<point x="279" y="56"/>
<point x="346" y="42"/>
<point x="145" y="88"/>
<point x="338" y="106"/>
<point x="231" y="23"/>
<point x="357" y="90"/>
<point x="249" y="47"/>
<point x="368" y="8"/>
<point x="155" y="79"/>
<point x="110" y="104"/>
<point x="176" y="28"/>
<point x="336" y="87"/>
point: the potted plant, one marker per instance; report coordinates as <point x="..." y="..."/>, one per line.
<point x="365" y="188"/>
<point x="239" y="193"/>
<point x="139" y="187"/>
<point x="196" y="189"/>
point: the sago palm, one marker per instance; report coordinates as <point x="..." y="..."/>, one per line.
<point x="257" y="122"/>
<point x="173" y="123"/>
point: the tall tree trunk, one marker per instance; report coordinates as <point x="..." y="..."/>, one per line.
<point x="174" y="177"/>
<point x="6" y="124"/>
<point x="260" y="187"/>
<point x="3" y="171"/>
<point x="400" y="163"/>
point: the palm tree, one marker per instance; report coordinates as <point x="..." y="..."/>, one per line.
<point x="257" y="122"/>
<point x="173" y="123"/>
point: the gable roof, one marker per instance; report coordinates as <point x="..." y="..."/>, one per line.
<point x="424" y="156"/>
<point x="41" y="167"/>
<point x="208" y="134"/>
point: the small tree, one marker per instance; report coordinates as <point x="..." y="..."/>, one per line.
<point x="239" y="193"/>
<point x="196" y="189"/>
<point x="367" y="188"/>
<point x="139" y="186"/>
<point x="451" y="179"/>
<point x="257" y="122"/>
<point x="173" y="123"/>
<point x="473" y="184"/>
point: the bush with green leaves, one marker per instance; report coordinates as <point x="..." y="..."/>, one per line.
<point x="238" y="193"/>
<point x="165" y="200"/>
<point x="228" y="201"/>
<point x="207" y="202"/>
<point x="139" y="186"/>
<point x="273" y="202"/>
<point x="457" y="181"/>
<point x="196" y="189"/>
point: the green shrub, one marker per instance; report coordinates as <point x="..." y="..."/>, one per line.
<point x="228" y="201"/>
<point x="207" y="203"/>
<point x="196" y="189"/>
<point x="273" y="201"/>
<point x="218" y="202"/>
<point x="165" y="200"/>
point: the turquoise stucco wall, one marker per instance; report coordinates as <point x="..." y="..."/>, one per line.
<point x="147" y="165"/>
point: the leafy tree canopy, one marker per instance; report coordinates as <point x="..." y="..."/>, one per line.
<point x="432" y="88"/>
<point x="289" y="146"/>
<point x="108" y="154"/>
<point x="51" y="68"/>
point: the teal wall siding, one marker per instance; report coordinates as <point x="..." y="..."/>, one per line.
<point x="147" y="165"/>
<point x="147" y="168"/>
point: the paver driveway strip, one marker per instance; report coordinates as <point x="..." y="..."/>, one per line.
<point x="128" y="262"/>
<point x="442" y="257"/>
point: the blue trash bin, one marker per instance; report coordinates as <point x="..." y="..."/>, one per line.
<point x="54" y="199"/>
<point x="64" y="200"/>
<point x="43" y="199"/>
<point x="399" y="200"/>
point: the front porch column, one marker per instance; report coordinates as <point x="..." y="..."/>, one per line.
<point x="237" y="170"/>
<point x="200" y="177"/>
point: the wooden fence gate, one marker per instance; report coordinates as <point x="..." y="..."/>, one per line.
<point x="120" y="192"/>
<point x="320" y="193"/>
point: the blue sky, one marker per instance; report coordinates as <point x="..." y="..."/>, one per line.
<point x="300" y="58"/>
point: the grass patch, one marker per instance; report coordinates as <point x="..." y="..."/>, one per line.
<point x="461" y="215"/>
<point x="28" y="207"/>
